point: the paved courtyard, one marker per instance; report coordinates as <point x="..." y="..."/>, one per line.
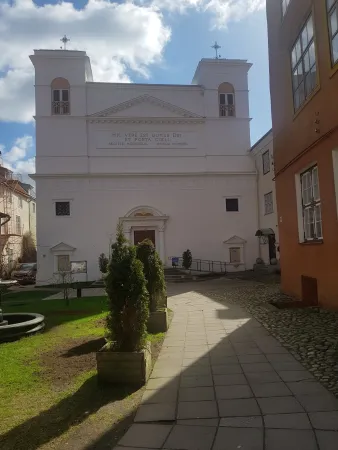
<point x="222" y="382"/>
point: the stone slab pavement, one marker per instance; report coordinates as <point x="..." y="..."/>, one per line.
<point x="222" y="382"/>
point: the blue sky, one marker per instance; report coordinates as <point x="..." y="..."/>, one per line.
<point x="155" y="41"/>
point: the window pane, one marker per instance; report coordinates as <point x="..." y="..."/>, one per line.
<point x="312" y="54"/>
<point x="333" y="22"/>
<point x="308" y="84"/>
<point x="335" y="48"/>
<point x="230" y="99"/>
<point x="301" y="90"/>
<point x="222" y="99"/>
<point x="314" y="77"/>
<point x="315" y="184"/>
<point x="304" y="39"/>
<point x="294" y="57"/>
<point x="298" y="50"/>
<point x="65" y="96"/>
<point x="231" y="204"/>
<point x="235" y="255"/>
<point x="318" y="221"/>
<point x="56" y="95"/>
<point x="309" y="27"/>
<point x="329" y="3"/>
<point x="306" y="62"/>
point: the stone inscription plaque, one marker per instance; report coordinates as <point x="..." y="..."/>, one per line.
<point x="145" y="139"/>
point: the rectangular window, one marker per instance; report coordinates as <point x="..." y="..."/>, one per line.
<point x="235" y="255"/>
<point x="63" y="263"/>
<point x="332" y="11"/>
<point x="18" y="225"/>
<point x="312" y="214"/>
<point x="20" y="202"/>
<point x="268" y="203"/>
<point x="33" y="207"/>
<point x="9" y="196"/>
<point x="62" y="208"/>
<point x="231" y="204"/>
<point x="285" y="5"/>
<point x="226" y="105"/>
<point x="60" y="101"/>
<point x="304" y="68"/>
<point x="266" y="162"/>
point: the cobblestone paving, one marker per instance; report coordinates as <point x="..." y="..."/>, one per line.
<point x="223" y="382"/>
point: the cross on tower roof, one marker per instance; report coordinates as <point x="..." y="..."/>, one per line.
<point x="64" y="40"/>
<point x="216" y="47"/>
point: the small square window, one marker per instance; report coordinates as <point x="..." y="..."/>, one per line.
<point x="62" y="208"/>
<point x="231" y="204"/>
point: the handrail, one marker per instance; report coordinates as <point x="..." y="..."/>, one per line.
<point x="204" y="265"/>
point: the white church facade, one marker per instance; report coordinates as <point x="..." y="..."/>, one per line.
<point x="170" y="162"/>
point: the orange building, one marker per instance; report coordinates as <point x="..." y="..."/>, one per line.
<point x="303" y="51"/>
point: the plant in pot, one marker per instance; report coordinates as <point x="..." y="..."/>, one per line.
<point x="103" y="264"/>
<point x="154" y="274"/>
<point x="126" y="357"/>
<point x="187" y="259"/>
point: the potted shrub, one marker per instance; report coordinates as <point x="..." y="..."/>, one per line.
<point x="154" y="275"/>
<point x="126" y="357"/>
<point x="187" y="259"/>
<point x="103" y="264"/>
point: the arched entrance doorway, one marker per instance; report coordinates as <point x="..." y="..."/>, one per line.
<point x="146" y="222"/>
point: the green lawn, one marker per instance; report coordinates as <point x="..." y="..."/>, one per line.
<point x="39" y="407"/>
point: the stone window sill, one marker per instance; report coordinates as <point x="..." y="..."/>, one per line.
<point x="316" y="242"/>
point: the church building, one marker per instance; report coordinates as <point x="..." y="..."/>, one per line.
<point x="170" y="162"/>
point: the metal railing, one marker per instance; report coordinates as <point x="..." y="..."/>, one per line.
<point x="227" y="110"/>
<point x="60" y="108"/>
<point x="204" y="265"/>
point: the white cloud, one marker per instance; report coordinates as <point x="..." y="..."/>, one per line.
<point x="223" y="11"/>
<point x="116" y="36"/>
<point x="15" y="159"/>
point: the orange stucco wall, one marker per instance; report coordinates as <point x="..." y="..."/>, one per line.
<point x="301" y="139"/>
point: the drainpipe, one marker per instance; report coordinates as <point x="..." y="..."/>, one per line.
<point x="258" y="207"/>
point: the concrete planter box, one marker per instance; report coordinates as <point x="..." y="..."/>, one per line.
<point x="124" y="367"/>
<point x="158" y="321"/>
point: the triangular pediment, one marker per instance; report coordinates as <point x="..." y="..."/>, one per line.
<point x="146" y="106"/>
<point x="235" y="240"/>
<point x="62" y="247"/>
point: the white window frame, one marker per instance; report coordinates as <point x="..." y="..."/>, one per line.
<point x="232" y="198"/>
<point x="226" y="107"/>
<point x="311" y="204"/>
<point x="61" y="107"/>
<point x="302" y="69"/>
<point x="332" y="11"/>
<point x="266" y="162"/>
<point x="268" y="205"/>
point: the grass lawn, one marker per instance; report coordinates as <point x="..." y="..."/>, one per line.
<point x="49" y="393"/>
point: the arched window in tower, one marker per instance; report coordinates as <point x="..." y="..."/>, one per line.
<point x="60" y="96"/>
<point x="226" y="99"/>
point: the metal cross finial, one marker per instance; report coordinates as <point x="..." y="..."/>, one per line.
<point x="216" y="47"/>
<point x="64" y="40"/>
